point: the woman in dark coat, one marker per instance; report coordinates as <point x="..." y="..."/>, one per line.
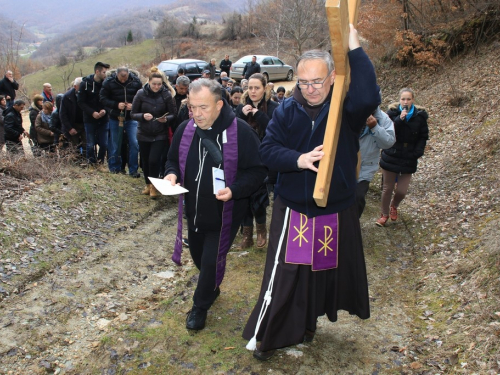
<point x="34" y="110"/>
<point x="256" y="108"/>
<point x="154" y="109"/>
<point x="400" y="161"/>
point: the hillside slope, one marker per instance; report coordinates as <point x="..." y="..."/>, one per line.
<point x="79" y="272"/>
<point x="454" y="210"/>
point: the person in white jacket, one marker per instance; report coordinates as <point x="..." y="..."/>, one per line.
<point x="376" y="135"/>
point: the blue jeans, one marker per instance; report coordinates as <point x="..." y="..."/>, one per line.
<point x="115" y="146"/>
<point x="96" y="134"/>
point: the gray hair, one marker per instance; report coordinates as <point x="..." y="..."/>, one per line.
<point x="183" y="81"/>
<point x="19" y="102"/>
<point x="77" y="82"/>
<point x="317" y="54"/>
<point x="210" y="84"/>
<point x="122" y="69"/>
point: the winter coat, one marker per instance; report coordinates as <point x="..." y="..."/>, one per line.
<point x="212" y="69"/>
<point x="13" y="124"/>
<point x="34" y="111"/>
<point x="43" y="132"/>
<point x="114" y="92"/>
<point x="203" y="210"/>
<point x="225" y="66"/>
<point x="70" y="113"/>
<point x="89" y="101"/>
<point x="8" y="88"/>
<point x="261" y="118"/>
<point x="55" y="120"/>
<point x="411" y="138"/>
<point x="251" y="68"/>
<point x="371" y="141"/>
<point x="292" y="132"/>
<point x="157" y="104"/>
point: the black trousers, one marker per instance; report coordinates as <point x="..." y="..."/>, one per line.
<point x="153" y="158"/>
<point x="361" y="190"/>
<point x="204" y="249"/>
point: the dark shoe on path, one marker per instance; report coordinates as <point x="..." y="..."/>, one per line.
<point x="308" y="336"/>
<point x="263" y="356"/>
<point x="196" y="319"/>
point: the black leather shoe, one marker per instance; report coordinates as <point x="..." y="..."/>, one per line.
<point x="196" y="319"/>
<point x="308" y="336"/>
<point x="263" y="356"/>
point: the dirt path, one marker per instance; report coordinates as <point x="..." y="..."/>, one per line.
<point x="111" y="312"/>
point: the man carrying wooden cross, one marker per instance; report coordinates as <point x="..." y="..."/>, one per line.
<point x="318" y="251"/>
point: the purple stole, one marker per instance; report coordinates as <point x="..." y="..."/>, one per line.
<point x="230" y="163"/>
<point x="313" y="241"/>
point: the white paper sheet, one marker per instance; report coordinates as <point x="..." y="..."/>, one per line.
<point x="166" y="188"/>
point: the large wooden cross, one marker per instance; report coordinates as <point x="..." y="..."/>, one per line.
<point x="339" y="13"/>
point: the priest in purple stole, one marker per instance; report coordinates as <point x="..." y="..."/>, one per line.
<point x="214" y="156"/>
<point x="315" y="264"/>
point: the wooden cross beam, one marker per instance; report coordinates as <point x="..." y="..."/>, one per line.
<point x="339" y="13"/>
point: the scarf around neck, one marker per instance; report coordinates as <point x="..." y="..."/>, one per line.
<point x="410" y="112"/>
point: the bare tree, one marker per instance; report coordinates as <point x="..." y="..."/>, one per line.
<point x="66" y="74"/>
<point x="9" y="49"/>
<point x="167" y="33"/>
<point x="303" y="22"/>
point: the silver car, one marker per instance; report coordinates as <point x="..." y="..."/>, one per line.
<point x="272" y="67"/>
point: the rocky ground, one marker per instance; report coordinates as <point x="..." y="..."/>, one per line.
<point x="87" y="285"/>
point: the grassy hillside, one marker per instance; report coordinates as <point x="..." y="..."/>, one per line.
<point x="131" y="56"/>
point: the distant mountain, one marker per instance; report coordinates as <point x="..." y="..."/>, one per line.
<point x="9" y="27"/>
<point x="52" y="17"/>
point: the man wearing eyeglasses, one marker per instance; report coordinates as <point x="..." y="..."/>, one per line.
<point x="315" y="263"/>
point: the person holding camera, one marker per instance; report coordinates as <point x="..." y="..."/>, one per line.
<point x="399" y="162"/>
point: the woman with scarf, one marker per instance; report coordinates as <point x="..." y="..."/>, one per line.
<point x="256" y="108"/>
<point x="154" y="109"/>
<point x="34" y="110"/>
<point x="45" y="136"/>
<point x="399" y="162"/>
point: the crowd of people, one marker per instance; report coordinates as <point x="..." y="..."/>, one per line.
<point x="231" y="146"/>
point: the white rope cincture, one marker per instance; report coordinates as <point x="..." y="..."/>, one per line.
<point x="252" y="344"/>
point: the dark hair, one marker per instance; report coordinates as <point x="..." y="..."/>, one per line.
<point x="236" y="89"/>
<point x="19" y="102"/>
<point x="99" y="66"/>
<point x="261" y="77"/>
<point x="2" y="97"/>
<point x="181" y="71"/>
<point x="280" y="89"/>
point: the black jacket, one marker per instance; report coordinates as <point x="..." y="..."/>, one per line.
<point x="55" y="120"/>
<point x="13" y="123"/>
<point x="34" y="111"/>
<point x="157" y="104"/>
<point x="411" y="138"/>
<point x="70" y="113"/>
<point x="203" y="210"/>
<point x="225" y="66"/>
<point x="114" y="92"/>
<point x="212" y="69"/>
<point x="250" y="69"/>
<point x="261" y="118"/>
<point x="8" y="88"/>
<point x="89" y="101"/>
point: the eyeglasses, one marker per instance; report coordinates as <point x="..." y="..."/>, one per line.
<point x="314" y="85"/>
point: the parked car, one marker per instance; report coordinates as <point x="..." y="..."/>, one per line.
<point x="272" y="67"/>
<point x="192" y="68"/>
